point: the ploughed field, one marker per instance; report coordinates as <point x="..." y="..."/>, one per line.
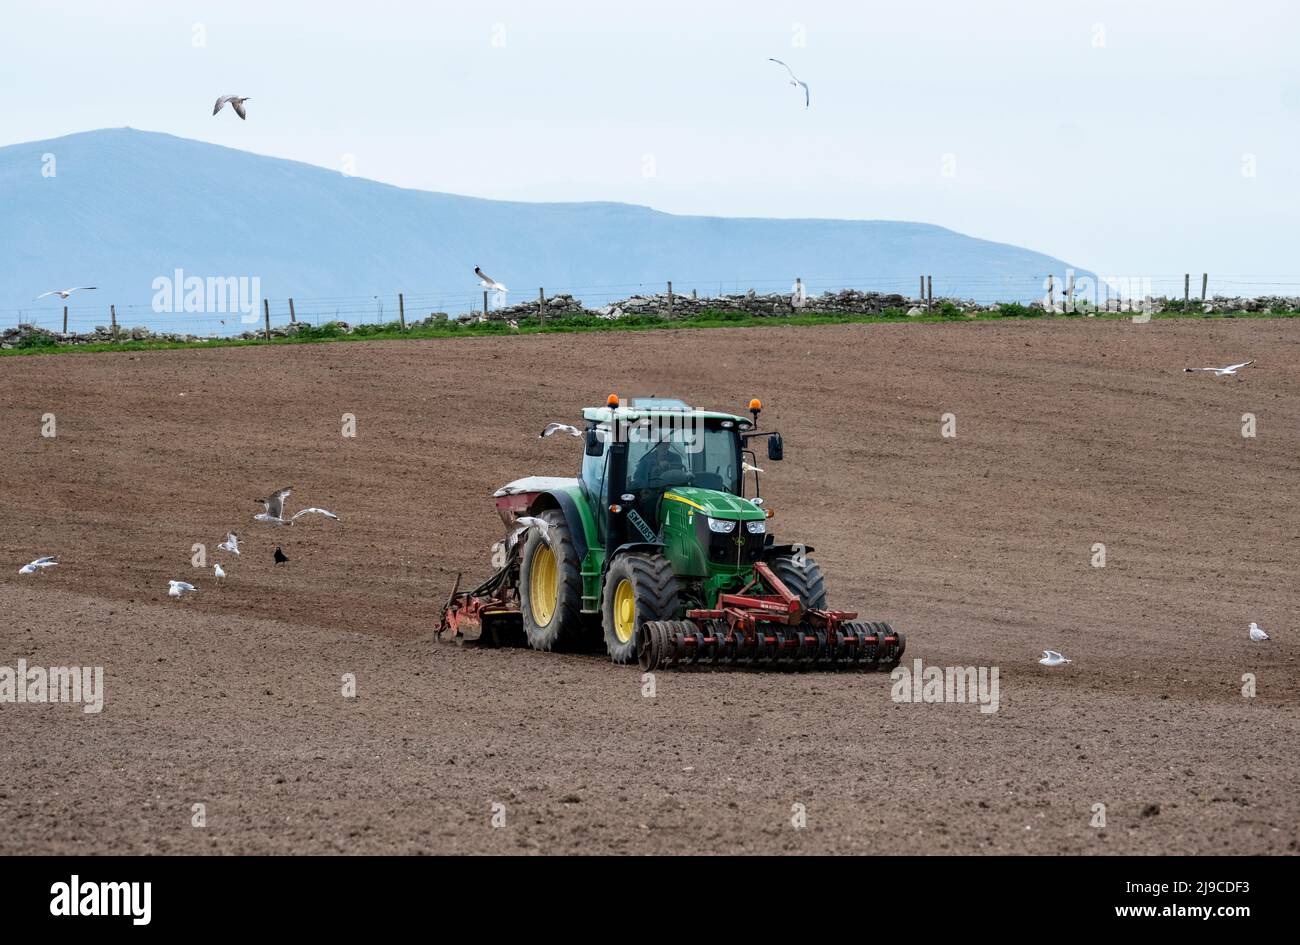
<point x="979" y="547"/>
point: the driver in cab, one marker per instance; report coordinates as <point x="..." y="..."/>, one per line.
<point x="661" y="466"/>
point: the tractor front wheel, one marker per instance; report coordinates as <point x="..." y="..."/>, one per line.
<point x="803" y="576"/>
<point x="638" y="588"/>
<point x="550" y="585"/>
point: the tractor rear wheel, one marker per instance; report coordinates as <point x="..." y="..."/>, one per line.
<point x="550" y="585"/>
<point x="803" y="576"/>
<point x="638" y="588"/>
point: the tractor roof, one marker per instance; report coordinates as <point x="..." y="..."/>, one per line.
<point x="638" y="412"/>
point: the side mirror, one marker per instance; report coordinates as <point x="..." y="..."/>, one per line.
<point x="594" y="446"/>
<point x="775" y="448"/>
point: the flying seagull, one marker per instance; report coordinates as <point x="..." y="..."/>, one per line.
<point x="1256" y="634"/>
<point x="487" y="281"/>
<point x="538" y="524"/>
<point x="273" y="509"/>
<point x="46" y="562"/>
<point x="218" y="570"/>
<point x="231" y="544"/>
<point x="280" y="557"/>
<point x="177" y="588"/>
<point x="236" y="102"/>
<point x="1053" y="658"/>
<point x="559" y="428"/>
<point x="1220" y="371"/>
<point x="64" y="293"/>
<point x="795" y="81"/>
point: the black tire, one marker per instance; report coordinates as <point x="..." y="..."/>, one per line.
<point x="653" y="592"/>
<point x="564" y="624"/>
<point x="804" y="580"/>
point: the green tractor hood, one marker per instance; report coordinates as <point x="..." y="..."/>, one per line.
<point x="715" y="504"/>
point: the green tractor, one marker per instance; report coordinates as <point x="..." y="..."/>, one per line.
<point x="656" y="547"/>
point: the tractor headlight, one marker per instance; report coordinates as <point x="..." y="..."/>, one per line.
<point x="722" y="526"/>
<point x="756" y="528"/>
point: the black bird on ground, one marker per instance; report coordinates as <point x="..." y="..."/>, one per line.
<point x="279" y="556"/>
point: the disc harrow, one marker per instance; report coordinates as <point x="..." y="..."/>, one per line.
<point x="755" y="629"/>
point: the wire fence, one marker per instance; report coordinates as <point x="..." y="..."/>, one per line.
<point x="85" y="316"/>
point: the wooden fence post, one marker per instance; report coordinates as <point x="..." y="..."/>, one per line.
<point x="929" y="293"/>
<point x="266" y="315"/>
<point x="1205" y="282"/>
<point x="1187" y="288"/>
<point x="65" y="318"/>
<point x="921" y="297"/>
<point x="401" y="310"/>
<point x="112" y="314"/>
<point x="293" y="316"/>
<point x="541" y="303"/>
<point x="670" y="298"/>
<point x="485" y="308"/>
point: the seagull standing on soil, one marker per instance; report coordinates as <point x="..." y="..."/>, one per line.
<point x="1231" y="369"/>
<point x="64" y="293"/>
<point x="1053" y="658"/>
<point x="1256" y="634"/>
<point x="273" y="509"/>
<point x="51" y="560"/>
<point x="559" y="428"/>
<point x="236" y="102"/>
<point x="231" y="544"/>
<point x="795" y="81"/>
<point x="218" y="570"/>
<point x="177" y="588"/>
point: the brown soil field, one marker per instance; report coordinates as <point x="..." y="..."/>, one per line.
<point x="978" y="547"/>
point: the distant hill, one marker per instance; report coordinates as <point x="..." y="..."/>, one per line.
<point x="126" y="207"/>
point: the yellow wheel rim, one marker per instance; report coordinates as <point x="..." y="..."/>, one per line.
<point x="624" y="611"/>
<point x="543" y="585"/>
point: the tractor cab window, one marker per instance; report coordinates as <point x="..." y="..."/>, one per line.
<point x="706" y="456"/>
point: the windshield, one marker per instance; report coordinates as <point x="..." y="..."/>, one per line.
<point x="702" y="454"/>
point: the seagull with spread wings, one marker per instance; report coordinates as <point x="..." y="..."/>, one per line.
<point x="64" y="293"/>
<point x="795" y="81"/>
<point x="236" y="102"/>
<point x="273" y="509"/>
<point x="552" y="428"/>
<point x="1230" y="370"/>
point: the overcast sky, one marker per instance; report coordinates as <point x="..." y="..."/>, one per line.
<point x="1132" y="138"/>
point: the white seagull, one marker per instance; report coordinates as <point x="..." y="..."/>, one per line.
<point x="51" y="560"/>
<point x="1256" y="634"/>
<point x="487" y="281"/>
<point x="236" y="102"/>
<point x="1219" y="371"/>
<point x="795" y="81"/>
<point x="1053" y="658"/>
<point x="177" y="588"/>
<point x="559" y="428"/>
<point x="231" y="544"/>
<point x="64" y="293"/>
<point x="218" y="570"/>
<point x="273" y="509"/>
<point x="538" y="524"/>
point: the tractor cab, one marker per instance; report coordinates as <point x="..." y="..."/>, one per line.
<point x="656" y="450"/>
